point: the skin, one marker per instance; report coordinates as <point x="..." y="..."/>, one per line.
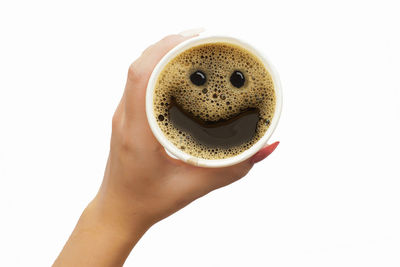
<point x="142" y="184"/>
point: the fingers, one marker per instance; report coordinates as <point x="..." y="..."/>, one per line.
<point x="140" y="72"/>
<point x="153" y="54"/>
<point x="131" y="111"/>
<point x="129" y="119"/>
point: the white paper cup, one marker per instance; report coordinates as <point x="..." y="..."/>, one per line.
<point x="174" y="151"/>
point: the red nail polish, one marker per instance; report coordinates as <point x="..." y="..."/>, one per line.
<point x="263" y="153"/>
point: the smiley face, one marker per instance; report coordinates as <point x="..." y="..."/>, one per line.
<point x="214" y="100"/>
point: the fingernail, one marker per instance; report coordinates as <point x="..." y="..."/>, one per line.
<point x="264" y="152"/>
<point x="192" y="32"/>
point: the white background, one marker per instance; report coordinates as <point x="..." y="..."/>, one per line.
<point x="328" y="196"/>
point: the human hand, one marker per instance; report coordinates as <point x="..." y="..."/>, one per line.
<point x="140" y="176"/>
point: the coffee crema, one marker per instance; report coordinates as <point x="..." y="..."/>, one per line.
<point x="214" y="101"/>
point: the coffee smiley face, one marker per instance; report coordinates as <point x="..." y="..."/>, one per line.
<point x="214" y="101"/>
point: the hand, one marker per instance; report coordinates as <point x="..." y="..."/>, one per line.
<point x="142" y="184"/>
<point x="139" y="172"/>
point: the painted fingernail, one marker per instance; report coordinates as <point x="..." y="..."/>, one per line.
<point x="264" y="152"/>
<point x="192" y="32"/>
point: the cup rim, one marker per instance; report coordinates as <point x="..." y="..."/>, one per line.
<point x="169" y="146"/>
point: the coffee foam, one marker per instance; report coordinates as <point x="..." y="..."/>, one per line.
<point x="217" y="98"/>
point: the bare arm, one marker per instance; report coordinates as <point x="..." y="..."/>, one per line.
<point x="142" y="184"/>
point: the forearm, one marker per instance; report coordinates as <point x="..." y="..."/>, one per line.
<point x="102" y="237"/>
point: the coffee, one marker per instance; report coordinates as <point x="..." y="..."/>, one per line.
<point x="214" y="101"/>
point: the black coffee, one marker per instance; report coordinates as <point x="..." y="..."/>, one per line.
<point x="223" y="133"/>
<point x="214" y="101"/>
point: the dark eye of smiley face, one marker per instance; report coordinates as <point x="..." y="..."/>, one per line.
<point x="198" y="78"/>
<point x="237" y="79"/>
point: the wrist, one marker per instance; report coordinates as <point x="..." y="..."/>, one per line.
<point x="113" y="217"/>
<point x="101" y="238"/>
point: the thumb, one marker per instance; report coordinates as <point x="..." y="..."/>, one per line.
<point x="264" y="152"/>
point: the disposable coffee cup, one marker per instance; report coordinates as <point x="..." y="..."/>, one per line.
<point x="173" y="150"/>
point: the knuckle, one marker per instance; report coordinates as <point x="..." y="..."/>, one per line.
<point x="169" y="39"/>
<point x="125" y="141"/>
<point x="148" y="49"/>
<point x="119" y="133"/>
<point x="116" y="122"/>
<point x="135" y="73"/>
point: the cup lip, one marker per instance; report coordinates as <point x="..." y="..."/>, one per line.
<point x="169" y="146"/>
